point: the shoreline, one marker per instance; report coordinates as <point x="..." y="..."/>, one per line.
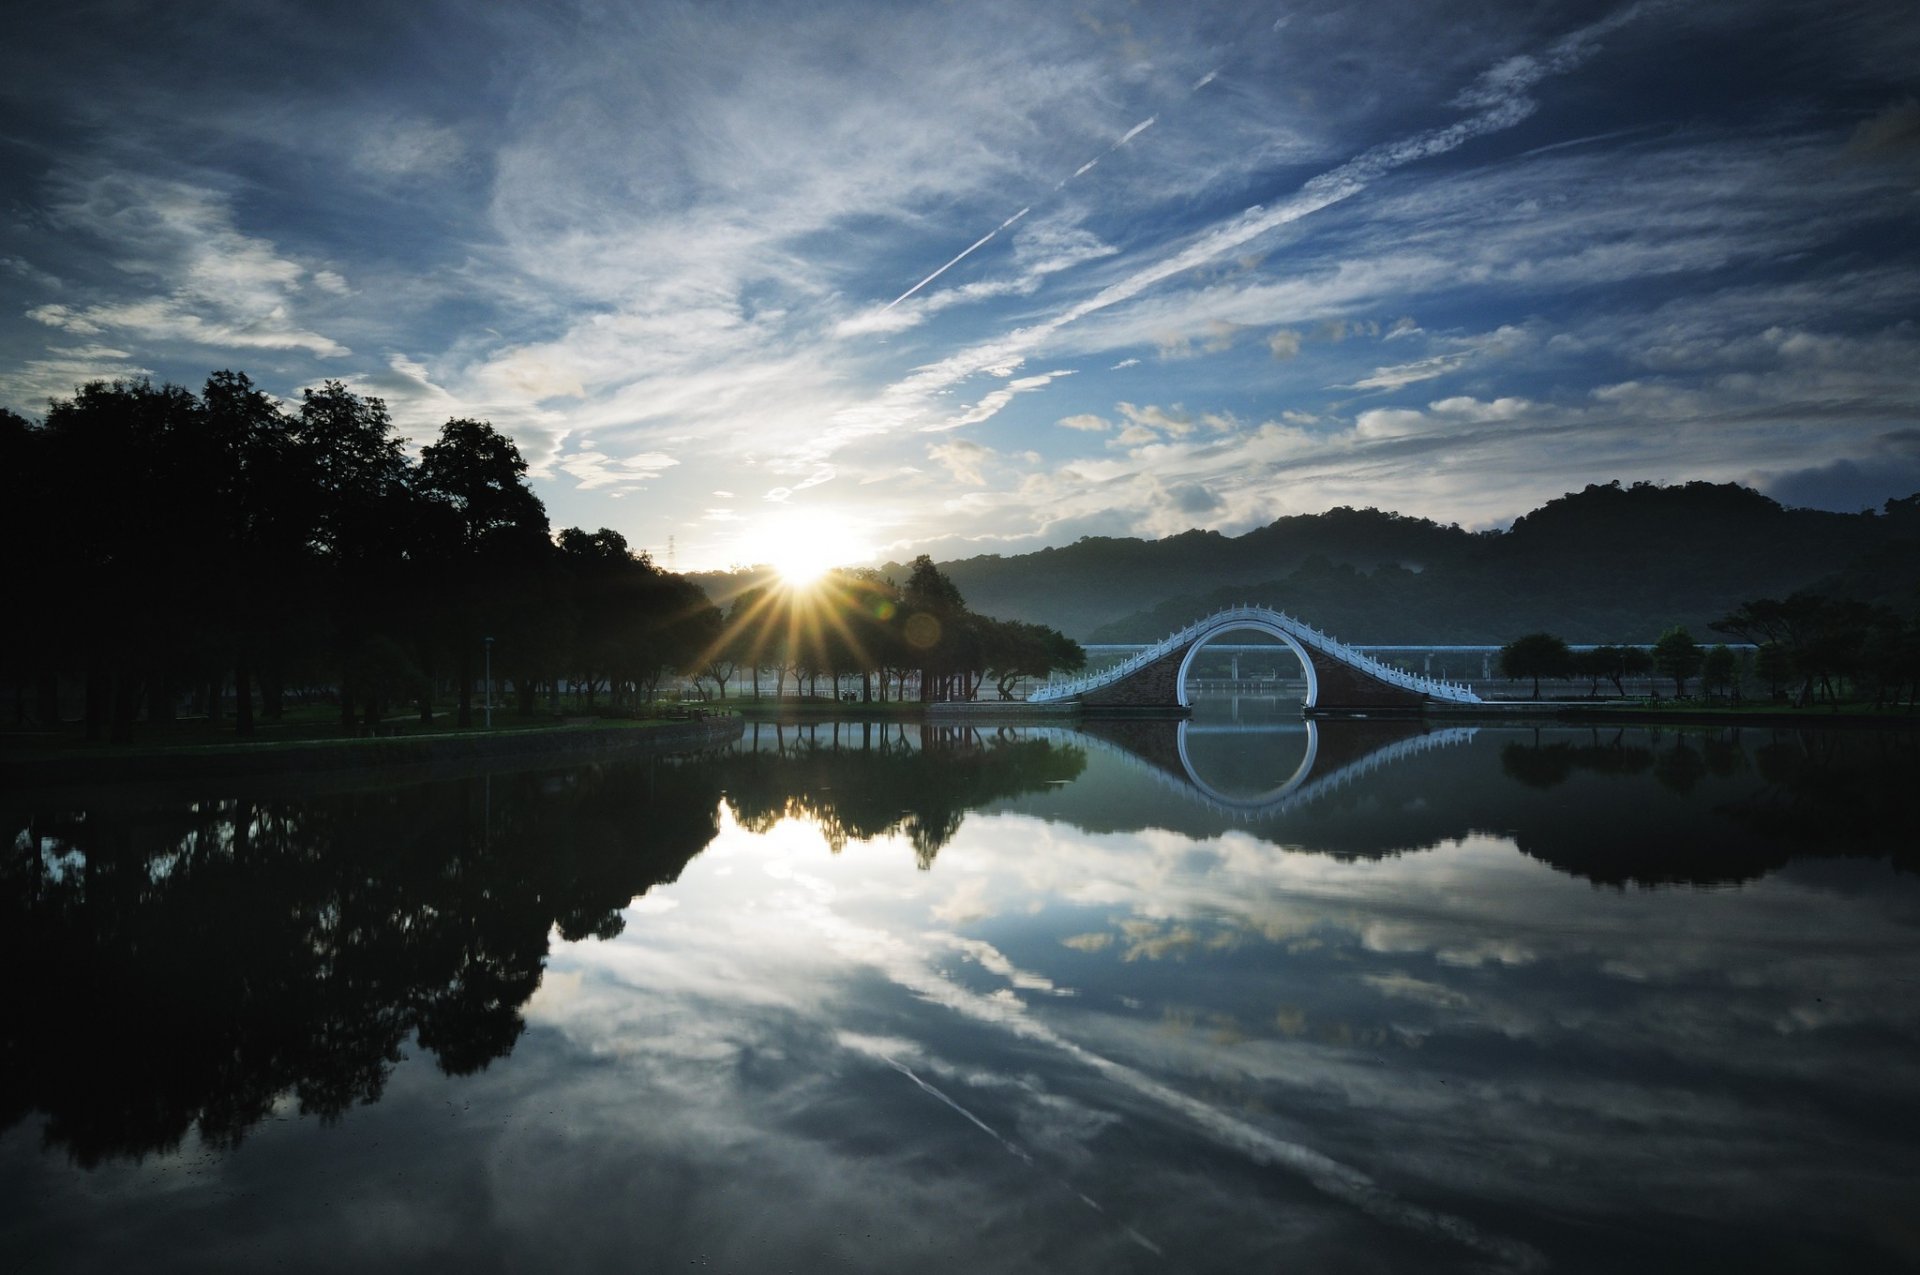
<point x="415" y="757"/>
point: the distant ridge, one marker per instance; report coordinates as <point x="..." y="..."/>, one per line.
<point x="1607" y="563"/>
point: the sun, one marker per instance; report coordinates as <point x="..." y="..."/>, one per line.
<point x="803" y="545"/>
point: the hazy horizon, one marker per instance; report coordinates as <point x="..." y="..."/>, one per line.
<point x="983" y="279"/>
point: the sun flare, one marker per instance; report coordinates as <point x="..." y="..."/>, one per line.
<point x="804" y="545"/>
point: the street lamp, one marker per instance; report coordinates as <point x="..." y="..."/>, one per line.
<point x="489" y="677"/>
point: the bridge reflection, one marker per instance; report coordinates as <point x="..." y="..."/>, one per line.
<point x="1294" y="763"/>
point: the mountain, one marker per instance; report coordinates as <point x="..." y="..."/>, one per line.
<point x="1603" y="564"/>
<point x="1608" y="563"/>
<point x="1080" y="587"/>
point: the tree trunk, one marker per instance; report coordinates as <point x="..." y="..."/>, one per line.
<point x="47" y="699"/>
<point x="160" y="699"/>
<point x="463" y="674"/>
<point x="126" y="698"/>
<point x="242" y="696"/>
<point x="427" y="687"/>
<point x="272" y="694"/>
<point x="97" y="710"/>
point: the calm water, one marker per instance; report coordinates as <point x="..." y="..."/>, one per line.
<point x="1239" y="996"/>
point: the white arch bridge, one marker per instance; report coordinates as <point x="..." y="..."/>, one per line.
<point x="1339" y="677"/>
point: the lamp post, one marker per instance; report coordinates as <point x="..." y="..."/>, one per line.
<point x="489" y="676"/>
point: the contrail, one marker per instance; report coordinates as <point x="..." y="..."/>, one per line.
<point x="983" y="240"/>
<point x="977" y="244"/>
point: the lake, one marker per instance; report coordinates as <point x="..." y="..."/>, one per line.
<point x="1243" y="994"/>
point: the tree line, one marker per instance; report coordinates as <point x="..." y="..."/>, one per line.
<point x="1807" y="649"/>
<point x="173" y="545"/>
<point x="917" y="639"/>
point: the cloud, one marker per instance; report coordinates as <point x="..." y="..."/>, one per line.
<point x="218" y="286"/>
<point x="594" y="469"/>
<point x="990" y="404"/>
<point x="964" y="459"/>
<point x="1085" y="422"/>
<point x="1193" y="499"/>
<point x="1889" y="468"/>
<point x="412" y="149"/>
<point x="1499" y="103"/>
<point x="62" y="370"/>
<point x="1402" y="375"/>
<point x="1892" y="134"/>
<point x="1503" y="342"/>
<point x="1174" y="420"/>
<point x="674" y="238"/>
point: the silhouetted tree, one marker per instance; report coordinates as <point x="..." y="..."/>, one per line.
<point x="1535" y="656"/>
<point x="1720" y="673"/>
<point x="262" y="491"/>
<point x="1678" y="656"/>
<point x="486" y="547"/>
<point x="359" y="475"/>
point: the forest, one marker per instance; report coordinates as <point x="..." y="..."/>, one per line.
<point x="220" y="554"/>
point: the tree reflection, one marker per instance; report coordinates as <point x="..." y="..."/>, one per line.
<point x="1619" y="806"/>
<point x="878" y="781"/>
<point x="200" y="965"/>
<point x="1778" y="795"/>
<point x="196" y="966"/>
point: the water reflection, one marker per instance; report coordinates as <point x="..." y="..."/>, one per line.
<point x="989" y="999"/>
<point x="886" y="777"/>
<point x="198" y="962"/>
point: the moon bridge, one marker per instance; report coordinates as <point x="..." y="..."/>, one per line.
<point x="1339" y="677"/>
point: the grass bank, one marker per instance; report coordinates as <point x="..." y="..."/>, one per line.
<point x="305" y="741"/>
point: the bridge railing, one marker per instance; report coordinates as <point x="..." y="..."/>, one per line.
<point x="1433" y="688"/>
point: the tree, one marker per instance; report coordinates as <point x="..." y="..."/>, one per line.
<point x="1013" y="649"/>
<point x="482" y="549"/>
<point x="120" y="454"/>
<point x="1720" y="673"/>
<point x="359" y="476"/>
<point x="749" y="638"/>
<point x="29" y="652"/>
<point x="1615" y="664"/>
<point x="263" y="568"/>
<point x="931" y="611"/>
<point x="1678" y="656"/>
<point x="1535" y="656"/>
<point x="1773" y="664"/>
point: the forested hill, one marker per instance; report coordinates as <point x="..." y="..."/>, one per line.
<point x="1099" y="579"/>
<point x="1609" y="563"/>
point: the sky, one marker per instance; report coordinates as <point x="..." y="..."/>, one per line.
<point x="888" y="278"/>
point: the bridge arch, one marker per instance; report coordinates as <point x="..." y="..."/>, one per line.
<point x="1246" y="624"/>
<point x="1339" y="677"/>
<point x="1263" y="801"/>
